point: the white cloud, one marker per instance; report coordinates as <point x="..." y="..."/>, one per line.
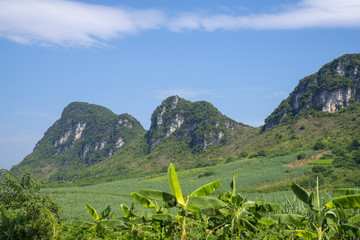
<point x="70" y="23"/>
<point x="189" y="93"/>
<point x="305" y="14"/>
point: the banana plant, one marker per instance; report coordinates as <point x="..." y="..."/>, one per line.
<point x="240" y="214"/>
<point x="102" y="222"/>
<point x="328" y="218"/>
<point x="194" y="204"/>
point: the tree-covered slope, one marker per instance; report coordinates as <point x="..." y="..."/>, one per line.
<point x="190" y="134"/>
<point x="85" y="135"/>
<point x="89" y="143"/>
<point x="198" y="123"/>
<point x="334" y="86"/>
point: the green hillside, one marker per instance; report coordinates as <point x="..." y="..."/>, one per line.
<point x="91" y="144"/>
<point x="84" y="135"/>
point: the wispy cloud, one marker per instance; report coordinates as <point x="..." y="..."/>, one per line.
<point x="71" y="23"/>
<point x="305" y="14"/>
<point x="189" y="93"/>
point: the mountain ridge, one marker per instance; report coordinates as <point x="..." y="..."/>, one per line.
<point x="90" y="141"/>
<point x="333" y="87"/>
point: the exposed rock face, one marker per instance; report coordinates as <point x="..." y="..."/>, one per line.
<point x="335" y="86"/>
<point x="87" y="133"/>
<point x="200" y="122"/>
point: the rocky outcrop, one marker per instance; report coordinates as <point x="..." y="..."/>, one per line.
<point x="335" y="86"/>
<point x="87" y="133"/>
<point x="200" y="123"/>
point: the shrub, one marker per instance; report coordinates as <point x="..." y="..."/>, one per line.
<point x="319" y="145"/>
<point x="243" y="154"/>
<point x="25" y="213"/>
<point x="339" y="151"/>
<point x="206" y="174"/>
<point x="301" y="156"/>
<point x="230" y="159"/>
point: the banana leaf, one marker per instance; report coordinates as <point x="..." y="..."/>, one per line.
<point x="351" y="230"/>
<point x="206" y="189"/>
<point x="307" y="235"/>
<point x="164" y="217"/>
<point x="301" y="193"/>
<point x="92" y="212"/>
<point x="345" y="202"/>
<point x="79" y="224"/>
<point x="355" y="219"/>
<point x="291" y="219"/>
<point x="113" y="223"/>
<point x="157" y="195"/>
<point x="142" y="200"/>
<point x="105" y="213"/>
<point x="346" y="191"/>
<point x="175" y="185"/>
<point x="206" y="202"/>
<point x="125" y="209"/>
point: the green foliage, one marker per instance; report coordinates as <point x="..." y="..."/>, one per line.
<point x="201" y="123"/>
<point x="230" y="215"/>
<point x="206" y="174"/>
<point x="320" y="145"/>
<point x="25" y="213"/>
<point x="331" y="219"/>
<point x="327" y="79"/>
<point x="301" y="156"/>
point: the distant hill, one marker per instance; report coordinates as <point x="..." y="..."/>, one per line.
<point x="90" y="143"/>
<point x="334" y="86"/>
<point x="84" y="135"/>
<point x="199" y="123"/>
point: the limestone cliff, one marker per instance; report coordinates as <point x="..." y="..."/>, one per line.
<point x="85" y="134"/>
<point x="333" y="87"/>
<point x="198" y="122"/>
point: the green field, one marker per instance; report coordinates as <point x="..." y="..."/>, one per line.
<point x="251" y="173"/>
<point x="322" y="162"/>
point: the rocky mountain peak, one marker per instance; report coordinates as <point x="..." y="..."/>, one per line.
<point x="199" y="122"/>
<point x="85" y="134"/>
<point x="333" y="87"/>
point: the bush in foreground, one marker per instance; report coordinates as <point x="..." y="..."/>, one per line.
<point x="25" y="213"/>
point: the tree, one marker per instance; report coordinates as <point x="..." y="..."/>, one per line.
<point x="25" y="213"/>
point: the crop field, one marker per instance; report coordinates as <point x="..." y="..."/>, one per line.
<point x="251" y="173"/>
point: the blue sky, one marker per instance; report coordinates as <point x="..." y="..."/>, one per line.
<point x="129" y="55"/>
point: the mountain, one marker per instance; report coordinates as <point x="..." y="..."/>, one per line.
<point x="199" y="123"/>
<point x="89" y="140"/>
<point x="89" y="143"/>
<point x="334" y="86"/>
<point x="83" y="136"/>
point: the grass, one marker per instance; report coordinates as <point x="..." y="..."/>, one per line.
<point x="323" y="162"/>
<point x="251" y="173"/>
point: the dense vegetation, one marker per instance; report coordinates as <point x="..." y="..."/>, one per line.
<point x="25" y="213"/>
<point x="200" y="123"/>
<point x="340" y="75"/>
<point x="97" y="160"/>
<point x="90" y="140"/>
<point x="169" y="215"/>
<point x="84" y="135"/>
